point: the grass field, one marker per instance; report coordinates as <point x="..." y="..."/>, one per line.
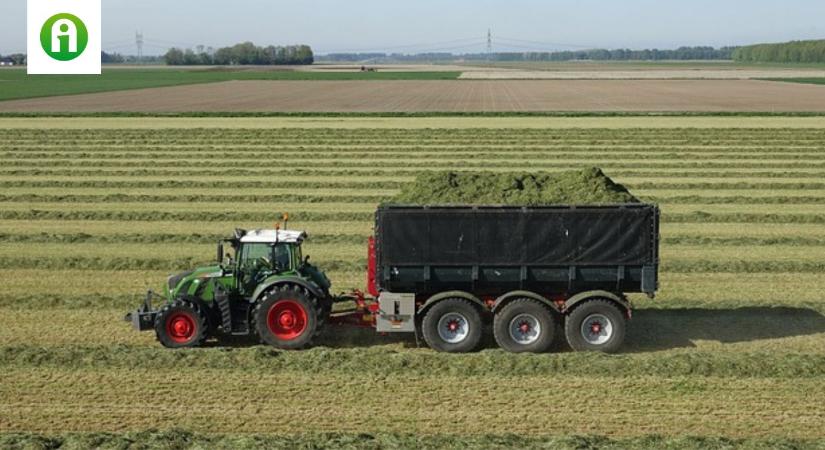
<point x="95" y="211"/>
<point x="15" y="84"/>
<point x="801" y="80"/>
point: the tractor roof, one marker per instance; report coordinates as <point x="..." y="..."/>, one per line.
<point x="272" y="236"/>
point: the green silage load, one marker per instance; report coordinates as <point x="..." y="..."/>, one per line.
<point x="576" y="187"/>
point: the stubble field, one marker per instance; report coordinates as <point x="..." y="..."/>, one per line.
<point x="92" y="213"/>
<point x="434" y="95"/>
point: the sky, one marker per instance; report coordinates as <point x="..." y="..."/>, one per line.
<point x="458" y="26"/>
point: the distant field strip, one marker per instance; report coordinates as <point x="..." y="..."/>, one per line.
<point x="424" y="93"/>
<point x="732" y="345"/>
<point x="435" y="123"/>
<point x="14" y="84"/>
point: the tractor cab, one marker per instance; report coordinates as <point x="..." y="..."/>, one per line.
<point x="260" y="254"/>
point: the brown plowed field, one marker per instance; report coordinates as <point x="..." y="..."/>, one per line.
<point x="448" y="96"/>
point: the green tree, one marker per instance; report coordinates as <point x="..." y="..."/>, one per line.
<point x="174" y="57"/>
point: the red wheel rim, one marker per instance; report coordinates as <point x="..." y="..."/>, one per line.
<point x="181" y="327"/>
<point x="286" y="319"/>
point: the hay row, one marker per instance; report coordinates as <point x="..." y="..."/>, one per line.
<point x="369" y="168"/>
<point x="392" y="148"/>
<point x="434" y="133"/>
<point x="308" y="157"/>
<point x="376" y="362"/>
<point x="369" y="199"/>
<point x="63" y="172"/>
<point x="355" y="239"/>
<point x="177" y="438"/>
<point x="355" y="264"/>
<point x="365" y="185"/>
<point x="265" y="217"/>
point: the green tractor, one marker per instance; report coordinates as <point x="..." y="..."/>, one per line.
<point x="267" y="290"/>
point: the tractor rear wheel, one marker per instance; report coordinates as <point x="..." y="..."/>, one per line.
<point x="180" y="324"/>
<point x="287" y="317"/>
<point x="524" y="325"/>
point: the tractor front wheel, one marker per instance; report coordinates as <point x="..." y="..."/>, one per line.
<point x="181" y="324"/>
<point x="287" y="318"/>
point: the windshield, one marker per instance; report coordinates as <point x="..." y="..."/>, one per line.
<point x="251" y="255"/>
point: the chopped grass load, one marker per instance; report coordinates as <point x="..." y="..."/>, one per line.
<point x="577" y="187"/>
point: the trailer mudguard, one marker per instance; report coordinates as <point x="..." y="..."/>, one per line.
<point x="501" y="301"/>
<point x="450" y="294"/>
<point x="313" y="288"/>
<point x="587" y="295"/>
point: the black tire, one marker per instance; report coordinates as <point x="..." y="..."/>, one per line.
<point x="180" y="324"/>
<point x="287" y="317"/>
<point x="595" y="311"/>
<point x="538" y="322"/>
<point x="440" y="313"/>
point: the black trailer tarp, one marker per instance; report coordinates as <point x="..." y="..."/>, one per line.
<point x="543" y="236"/>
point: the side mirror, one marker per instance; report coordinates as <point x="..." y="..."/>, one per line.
<point x="220" y="253"/>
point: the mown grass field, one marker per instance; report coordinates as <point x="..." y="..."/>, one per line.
<point x="732" y="351"/>
<point x="801" y="80"/>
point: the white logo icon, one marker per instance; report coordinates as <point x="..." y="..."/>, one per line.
<point x="64" y="28"/>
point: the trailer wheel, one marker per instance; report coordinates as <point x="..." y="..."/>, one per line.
<point x="452" y="325"/>
<point x="595" y="325"/>
<point x="181" y="324"/>
<point x="287" y="318"/>
<point x="524" y="325"/>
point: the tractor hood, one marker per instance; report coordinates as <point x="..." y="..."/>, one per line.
<point x="181" y="282"/>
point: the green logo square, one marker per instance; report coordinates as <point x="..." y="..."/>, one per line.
<point x="64" y="37"/>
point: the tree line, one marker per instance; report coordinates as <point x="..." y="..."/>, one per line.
<point x="787" y="52"/>
<point x="681" y="53"/>
<point x="245" y="53"/>
<point x="18" y="59"/>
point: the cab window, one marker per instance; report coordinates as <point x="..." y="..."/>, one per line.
<point x="280" y="254"/>
<point x="253" y="252"/>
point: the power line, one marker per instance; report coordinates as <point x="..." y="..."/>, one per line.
<point x="406" y="46"/>
<point x="120" y="42"/>
<point x="548" y="44"/>
<point x="115" y="47"/>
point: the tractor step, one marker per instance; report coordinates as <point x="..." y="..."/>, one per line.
<point x="222" y="300"/>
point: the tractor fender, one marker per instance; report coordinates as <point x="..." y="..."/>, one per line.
<point x="313" y="288"/>
<point x="450" y="294"/>
<point x="501" y="301"/>
<point x="619" y="299"/>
